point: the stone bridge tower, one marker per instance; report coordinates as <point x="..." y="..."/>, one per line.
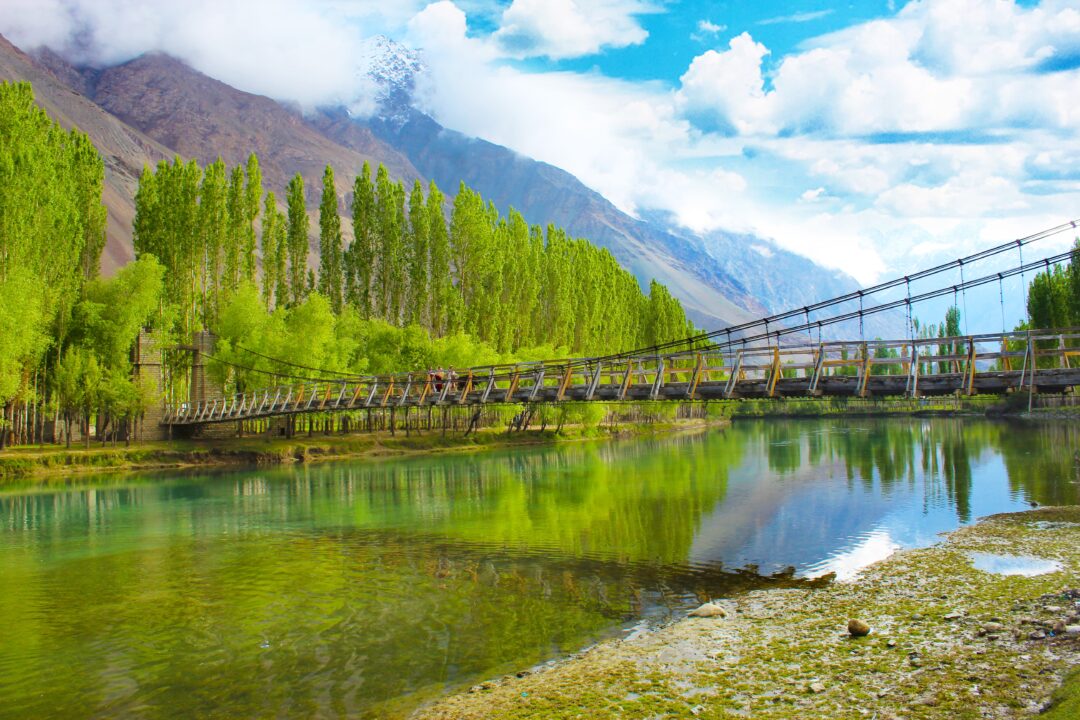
<point x="202" y="387"/>
<point x="147" y="368"/>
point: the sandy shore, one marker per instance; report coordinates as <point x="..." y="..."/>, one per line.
<point x="947" y="641"/>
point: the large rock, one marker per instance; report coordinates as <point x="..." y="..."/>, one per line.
<point x="857" y="628"/>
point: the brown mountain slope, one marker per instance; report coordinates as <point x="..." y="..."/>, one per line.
<point x="203" y="118"/>
<point x="124" y="149"/>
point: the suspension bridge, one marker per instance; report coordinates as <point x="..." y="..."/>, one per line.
<point x="773" y="357"/>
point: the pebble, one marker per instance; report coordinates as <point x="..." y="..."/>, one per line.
<point x="857" y="628"/>
<point x="1037" y="635"/>
<point x="1072" y="629"/>
<point x="708" y="610"/>
<point x="817" y="687"/>
<point x="1053" y="608"/>
<point x="993" y="627"/>
<point x="955" y="615"/>
<point x="891" y="643"/>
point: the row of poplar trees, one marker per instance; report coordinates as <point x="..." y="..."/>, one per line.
<point x="65" y="334"/>
<point x="493" y="277"/>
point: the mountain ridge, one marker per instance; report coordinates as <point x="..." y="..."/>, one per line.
<point x="173" y="109"/>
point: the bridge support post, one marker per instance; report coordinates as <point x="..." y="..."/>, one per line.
<point x="147" y="370"/>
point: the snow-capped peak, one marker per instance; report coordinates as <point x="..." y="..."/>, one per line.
<point x="392" y="66"/>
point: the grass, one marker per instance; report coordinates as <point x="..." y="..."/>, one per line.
<point x="33" y="464"/>
<point x="1066" y="702"/>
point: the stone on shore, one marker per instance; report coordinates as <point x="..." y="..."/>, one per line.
<point x="709" y="610"/>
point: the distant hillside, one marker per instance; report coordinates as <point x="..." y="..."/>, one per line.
<point x="124" y="149"/>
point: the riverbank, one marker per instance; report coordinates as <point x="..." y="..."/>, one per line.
<point x="42" y="463"/>
<point x="1014" y="406"/>
<point x="946" y="641"/>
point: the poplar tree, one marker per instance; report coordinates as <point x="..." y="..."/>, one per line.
<point x="252" y="196"/>
<point x="297" y="239"/>
<point x="330" y="261"/>
<point x="359" y="259"/>
<point x="389" y="253"/>
<point x="439" y="256"/>
<point x="213" y="226"/>
<point x="269" y="250"/>
<point x="280" y="243"/>
<point x="418" y="255"/>
<point x="235" y="236"/>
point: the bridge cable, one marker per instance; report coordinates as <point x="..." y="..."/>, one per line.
<point x="1023" y="286"/>
<point x="348" y="375"/>
<point x="930" y="295"/>
<point x="858" y="294"/>
<point x="269" y="372"/>
<point x="963" y="292"/>
<point x="1001" y="301"/>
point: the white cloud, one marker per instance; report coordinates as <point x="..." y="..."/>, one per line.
<point x="711" y="28"/>
<point x="873" y="149"/>
<point x="307" y="52"/>
<point x="799" y="17"/>
<point x="724" y="90"/>
<point x="570" y="28"/>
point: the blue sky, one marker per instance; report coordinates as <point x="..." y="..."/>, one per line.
<point x="875" y="137"/>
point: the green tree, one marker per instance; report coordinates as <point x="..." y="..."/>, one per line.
<point x="418" y="256"/>
<point x="269" y="251"/>
<point x="297" y="238"/>
<point x="331" y="277"/>
<point x="439" y="257"/>
<point x="252" y="197"/>
<point x="359" y="259"/>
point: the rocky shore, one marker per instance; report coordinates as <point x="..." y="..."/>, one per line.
<point x="944" y="640"/>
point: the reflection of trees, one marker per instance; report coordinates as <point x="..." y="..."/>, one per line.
<point x="323" y="589"/>
<point x="1042" y="461"/>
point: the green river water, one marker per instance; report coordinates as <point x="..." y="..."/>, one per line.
<point x="362" y="589"/>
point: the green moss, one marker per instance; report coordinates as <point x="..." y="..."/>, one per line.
<point x="1066" y="702"/>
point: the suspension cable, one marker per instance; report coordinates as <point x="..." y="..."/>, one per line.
<point x="964" y="296"/>
<point x="296" y="365"/>
<point x="1001" y="301"/>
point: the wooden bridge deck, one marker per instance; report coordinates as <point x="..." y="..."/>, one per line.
<point x="1037" y="361"/>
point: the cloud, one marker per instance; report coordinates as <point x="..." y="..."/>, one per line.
<point x="706" y="30"/>
<point x="561" y="29"/>
<point x="724" y="91"/>
<point x="943" y="126"/>
<point x="799" y="17"/>
<point x="286" y="49"/>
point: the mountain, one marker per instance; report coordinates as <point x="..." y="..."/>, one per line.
<point x="155" y="106"/>
<point x="125" y="150"/>
<point x="720" y="277"/>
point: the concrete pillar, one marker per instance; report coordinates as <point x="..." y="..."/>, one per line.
<point x="146" y="362"/>
<point x="202" y="387"/>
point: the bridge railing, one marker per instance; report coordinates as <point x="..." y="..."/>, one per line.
<point x="722" y="370"/>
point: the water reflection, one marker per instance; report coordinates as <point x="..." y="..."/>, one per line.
<point x="354" y="589"/>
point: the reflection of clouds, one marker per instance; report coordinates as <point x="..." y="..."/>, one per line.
<point x="877" y="545"/>
<point x="1023" y="565"/>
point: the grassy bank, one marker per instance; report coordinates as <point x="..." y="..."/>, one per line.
<point x="947" y="641"/>
<point x="27" y="463"/>
<point x="1013" y="406"/>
